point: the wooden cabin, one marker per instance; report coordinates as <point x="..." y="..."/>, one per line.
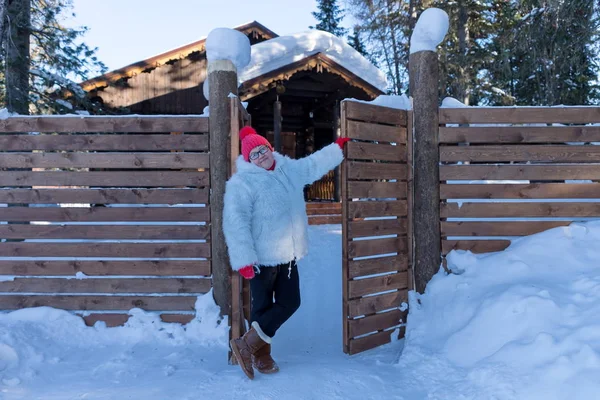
<point x="308" y="88"/>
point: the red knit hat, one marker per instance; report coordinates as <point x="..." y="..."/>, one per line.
<point x="250" y="139"/>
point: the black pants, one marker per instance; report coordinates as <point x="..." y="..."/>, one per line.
<point x="283" y="284"/>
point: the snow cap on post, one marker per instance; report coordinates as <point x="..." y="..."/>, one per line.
<point x="430" y="30"/>
<point x="228" y="44"/>
<point x="206" y="90"/>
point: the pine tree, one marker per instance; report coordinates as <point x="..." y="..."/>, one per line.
<point x="557" y="63"/>
<point x="356" y="42"/>
<point x="57" y="59"/>
<point x="16" y="55"/>
<point x="382" y="22"/>
<point x="464" y="52"/>
<point x="497" y="52"/>
<point x="330" y="16"/>
<point x="546" y="53"/>
<point x="501" y="57"/>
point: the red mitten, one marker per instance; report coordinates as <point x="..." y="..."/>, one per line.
<point x="341" y="142"/>
<point x="247" y="271"/>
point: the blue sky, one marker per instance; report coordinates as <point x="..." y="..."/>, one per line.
<point x="126" y="31"/>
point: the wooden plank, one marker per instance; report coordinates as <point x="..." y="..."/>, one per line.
<point x="377" y="227"/>
<point x="520" y="228"/>
<point x="73" y="302"/>
<point x="521" y="153"/>
<point x="370" y="342"/>
<point x="325" y="220"/>
<point x="380" y="265"/>
<point x="366" y="170"/>
<point x="344" y="193"/>
<point x="520" y="115"/>
<point x="105" y="285"/>
<point x="104" y="142"/>
<point x="104" y="232"/>
<point x="363" y="248"/>
<point x="364" y="190"/>
<point x="519" y="172"/>
<point x="370" y="151"/>
<point x="519" y="134"/>
<point x="105" y="268"/>
<point x="521" y="191"/>
<point x="111" y="320"/>
<point x="144" y="123"/>
<point x="376" y="132"/>
<point x="105" y="214"/>
<point x="237" y="327"/>
<point x="374" y="323"/>
<point x="105" y="160"/>
<point x="316" y="206"/>
<point x="363" y="287"/>
<point x="102" y="178"/>
<point x="177" y="318"/>
<point x="411" y="206"/>
<point x="519" y="210"/>
<point x="475" y="246"/>
<point x="233" y="145"/>
<point x="374" y="304"/>
<point x="366" y="209"/>
<point x="373" y="113"/>
<point x="105" y="196"/>
<point x="121" y="250"/>
<point x="310" y="211"/>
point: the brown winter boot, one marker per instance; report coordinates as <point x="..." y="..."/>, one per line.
<point x="244" y="347"/>
<point x="263" y="361"/>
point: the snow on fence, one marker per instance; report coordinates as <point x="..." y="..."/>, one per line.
<point x="375" y="219"/>
<point x="134" y="233"/>
<point x="511" y="172"/>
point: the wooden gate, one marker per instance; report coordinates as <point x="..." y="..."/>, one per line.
<point x="376" y="229"/>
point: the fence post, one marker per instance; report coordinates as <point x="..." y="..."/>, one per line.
<point x="424" y="79"/>
<point x="277" y="126"/>
<point x="222" y="80"/>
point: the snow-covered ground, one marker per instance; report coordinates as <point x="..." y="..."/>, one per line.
<point x="520" y="324"/>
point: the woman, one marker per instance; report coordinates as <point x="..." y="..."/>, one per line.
<point x="265" y="227"/>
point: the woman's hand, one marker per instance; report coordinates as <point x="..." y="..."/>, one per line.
<point x="247" y="272"/>
<point x="341" y="142"/>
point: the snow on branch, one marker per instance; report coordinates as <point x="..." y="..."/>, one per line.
<point x="62" y="81"/>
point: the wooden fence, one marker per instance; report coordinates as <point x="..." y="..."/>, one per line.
<point x="99" y="222"/>
<point x="375" y="221"/>
<point x="510" y="172"/>
<point x="321" y="213"/>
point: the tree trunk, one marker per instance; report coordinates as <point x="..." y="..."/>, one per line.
<point x="462" y="92"/>
<point x="397" y="58"/>
<point x="3" y="9"/>
<point x="412" y="16"/>
<point x="16" y="44"/>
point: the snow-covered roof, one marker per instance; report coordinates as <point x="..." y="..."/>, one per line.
<point x="164" y="57"/>
<point x="278" y="52"/>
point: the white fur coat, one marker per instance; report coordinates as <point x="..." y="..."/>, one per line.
<point x="264" y="216"/>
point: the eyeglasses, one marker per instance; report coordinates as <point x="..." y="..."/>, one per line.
<point x="260" y="152"/>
